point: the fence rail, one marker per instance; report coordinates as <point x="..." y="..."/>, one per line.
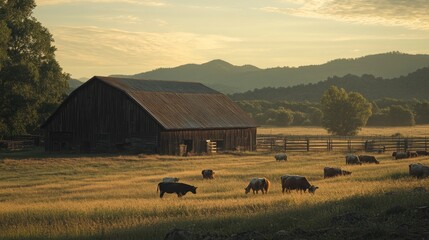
<point x="276" y="143"/>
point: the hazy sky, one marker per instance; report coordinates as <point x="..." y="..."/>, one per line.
<point x="103" y="37"/>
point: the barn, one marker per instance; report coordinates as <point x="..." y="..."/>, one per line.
<point x="108" y="114"/>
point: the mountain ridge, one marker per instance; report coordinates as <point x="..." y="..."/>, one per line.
<point x="228" y="78"/>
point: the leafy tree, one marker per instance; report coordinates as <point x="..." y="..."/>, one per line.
<point x="31" y="81"/>
<point x="400" y="116"/>
<point x="422" y="112"/>
<point x="344" y="113"/>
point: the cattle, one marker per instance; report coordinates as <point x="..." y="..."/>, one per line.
<point x="170" y="179"/>
<point x="332" y="172"/>
<point x="418" y="170"/>
<point x="401" y="155"/>
<point x="280" y="157"/>
<point x="412" y="154"/>
<point x="368" y="159"/>
<point x="422" y="153"/>
<point x="352" y="159"/>
<point x="296" y="182"/>
<point x="257" y="184"/>
<point x="179" y="188"/>
<point x="208" y="174"/>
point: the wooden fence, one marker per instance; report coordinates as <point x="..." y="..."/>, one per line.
<point x="278" y="143"/>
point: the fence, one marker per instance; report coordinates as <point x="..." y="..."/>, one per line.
<point x="277" y="143"/>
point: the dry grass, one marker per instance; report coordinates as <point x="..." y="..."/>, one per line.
<point x="115" y="196"/>
<point x="414" y="131"/>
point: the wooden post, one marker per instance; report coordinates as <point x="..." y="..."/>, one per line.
<point x="349" y="145"/>
<point x="308" y="145"/>
<point x="426" y="144"/>
<point x="284" y="144"/>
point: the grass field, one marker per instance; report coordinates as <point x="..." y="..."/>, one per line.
<point x="114" y="197"/>
<point x="416" y="131"/>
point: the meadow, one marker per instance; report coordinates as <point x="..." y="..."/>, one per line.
<point x="114" y="197"/>
<point x="406" y="131"/>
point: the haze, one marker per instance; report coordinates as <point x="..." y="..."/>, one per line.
<point x="103" y="37"/>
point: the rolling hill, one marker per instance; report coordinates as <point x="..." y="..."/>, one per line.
<point x="228" y="78"/>
<point x="414" y="85"/>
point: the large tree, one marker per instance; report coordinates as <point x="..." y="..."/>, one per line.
<point x="344" y="113"/>
<point x="32" y="83"/>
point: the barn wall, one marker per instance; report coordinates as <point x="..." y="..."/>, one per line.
<point x="228" y="139"/>
<point x="97" y="117"/>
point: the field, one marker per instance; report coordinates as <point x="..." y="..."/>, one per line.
<point x="415" y="131"/>
<point x="114" y="197"/>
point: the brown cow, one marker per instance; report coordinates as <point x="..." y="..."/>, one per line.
<point x="257" y="184"/>
<point x="208" y="174"/>
<point x="296" y="182"/>
<point x="332" y="172"/>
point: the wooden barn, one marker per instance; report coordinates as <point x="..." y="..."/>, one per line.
<point x="108" y="114"/>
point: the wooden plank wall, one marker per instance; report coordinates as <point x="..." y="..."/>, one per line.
<point x="243" y="139"/>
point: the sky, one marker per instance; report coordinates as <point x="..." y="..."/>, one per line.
<point x="105" y="37"/>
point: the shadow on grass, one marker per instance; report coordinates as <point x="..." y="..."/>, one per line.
<point x="382" y="216"/>
<point x="39" y="153"/>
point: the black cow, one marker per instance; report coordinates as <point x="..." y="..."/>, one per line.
<point x="422" y="153"/>
<point x="332" y="172"/>
<point x="368" y="159"/>
<point x="179" y="188"/>
<point x="296" y="182"/>
<point x="280" y="157"/>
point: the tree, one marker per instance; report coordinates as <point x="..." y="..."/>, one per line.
<point x="344" y="113"/>
<point x="31" y="81"/>
<point x="400" y="116"/>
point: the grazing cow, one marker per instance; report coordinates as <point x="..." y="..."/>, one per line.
<point x="402" y="155"/>
<point x="179" y="188"/>
<point x="352" y="159"/>
<point x="280" y="157"/>
<point x="332" y="172"/>
<point x="170" y="179"/>
<point x="257" y="184"/>
<point x="368" y="159"/>
<point x="418" y="170"/>
<point x="208" y="174"/>
<point x="412" y="154"/>
<point x="295" y="182"/>
<point x="422" y="153"/>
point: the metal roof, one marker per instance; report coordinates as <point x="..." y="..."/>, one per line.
<point x="182" y="105"/>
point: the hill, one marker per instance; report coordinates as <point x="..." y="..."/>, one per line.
<point x="229" y="78"/>
<point x="73" y="84"/>
<point x="414" y="85"/>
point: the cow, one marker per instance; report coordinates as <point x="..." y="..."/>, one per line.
<point x="208" y="174"/>
<point x="412" y="154"/>
<point x="280" y="157"/>
<point x="368" y="159"/>
<point x="179" y="188"/>
<point x="170" y="179"/>
<point x="352" y="159"/>
<point x="422" y="153"/>
<point x="296" y="182"/>
<point x="402" y="155"/>
<point x="332" y="172"/>
<point x="418" y="170"/>
<point x="257" y="184"/>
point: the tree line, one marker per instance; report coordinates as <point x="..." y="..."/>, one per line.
<point x="385" y="112"/>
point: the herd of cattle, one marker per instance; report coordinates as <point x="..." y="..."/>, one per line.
<point x="294" y="182"/>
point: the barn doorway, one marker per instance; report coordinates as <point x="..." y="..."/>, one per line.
<point x="189" y="145"/>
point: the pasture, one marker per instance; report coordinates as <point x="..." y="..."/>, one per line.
<point x="106" y="196"/>
<point x="414" y="131"/>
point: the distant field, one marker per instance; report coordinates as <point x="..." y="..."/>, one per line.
<point x="416" y="131"/>
<point x="115" y="196"/>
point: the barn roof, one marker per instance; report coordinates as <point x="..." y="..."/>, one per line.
<point x="182" y="105"/>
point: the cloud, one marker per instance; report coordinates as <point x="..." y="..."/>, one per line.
<point x="410" y="14"/>
<point x="94" y="50"/>
<point x="152" y="3"/>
